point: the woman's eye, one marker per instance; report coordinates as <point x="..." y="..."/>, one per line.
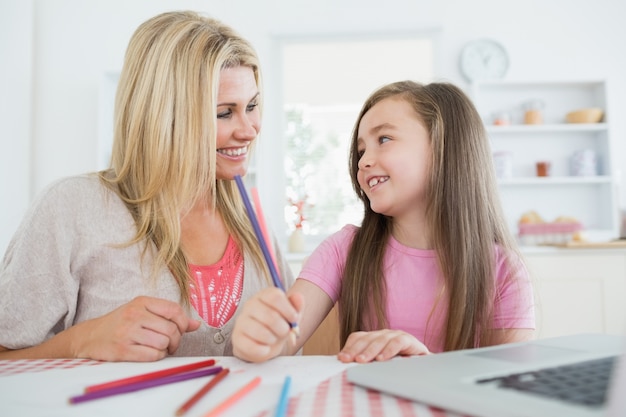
<point x="251" y="106"/>
<point x="383" y="139"/>
<point x="360" y="153"/>
<point x="225" y="114"/>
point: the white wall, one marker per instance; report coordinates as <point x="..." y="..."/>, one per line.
<point x="16" y="23"/>
<point x="54" y="54"/>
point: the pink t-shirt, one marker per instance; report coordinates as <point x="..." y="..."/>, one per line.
<point x="413" y="278"/>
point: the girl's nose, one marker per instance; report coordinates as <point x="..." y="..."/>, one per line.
<point x="366" y="160"/>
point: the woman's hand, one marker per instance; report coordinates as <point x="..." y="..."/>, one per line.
<point x="263" y="328"/>
<point x="380" y="345"/>
<point x="145" y="329"/>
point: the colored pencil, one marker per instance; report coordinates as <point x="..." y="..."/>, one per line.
<point x="234" y="398"/>
<point x="259" y="213"/>
<point x="152" y="375"/>
<point x="123" y="389"/>
<point x="259" y="234"/>
<point x="264" y="245"/>
<point x="198" y="395"/>
<point x="281" y="409"/>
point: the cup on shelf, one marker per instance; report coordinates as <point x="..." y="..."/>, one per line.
<point x="533" y="112"/>
<point x="502" y="118"/>
<point x="503" y="164"/>
<point x="533" y="117"/>
<point x="543" y="168"/>
<point x="583" y="163"/>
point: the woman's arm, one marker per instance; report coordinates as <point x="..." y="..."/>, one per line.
<point x="145" y="329"/>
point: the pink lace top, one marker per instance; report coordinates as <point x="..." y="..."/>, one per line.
<point x="216" y="289"/>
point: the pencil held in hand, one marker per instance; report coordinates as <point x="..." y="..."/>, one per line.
<point x="264" y="244"/>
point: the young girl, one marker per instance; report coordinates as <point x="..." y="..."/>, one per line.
<point x="432" y="267"/>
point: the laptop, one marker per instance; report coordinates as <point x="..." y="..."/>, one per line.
<point x="517" y="379"/>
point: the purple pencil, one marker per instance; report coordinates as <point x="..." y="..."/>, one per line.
<point x="143" y="385"/>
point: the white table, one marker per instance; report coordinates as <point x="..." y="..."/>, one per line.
<point x="319" y="388"/>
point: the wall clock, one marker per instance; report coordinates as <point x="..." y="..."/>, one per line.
<point x="484" y="59"/>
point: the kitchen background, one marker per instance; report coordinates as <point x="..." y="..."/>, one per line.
<point x="58" y="56"/>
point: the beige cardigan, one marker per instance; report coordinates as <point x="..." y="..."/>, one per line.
<point x="65" y="265"/>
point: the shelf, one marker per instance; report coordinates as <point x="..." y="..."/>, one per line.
<point x="592" y="200"/>
<point x="548" y="128"/>
<point x="552" y="181"/>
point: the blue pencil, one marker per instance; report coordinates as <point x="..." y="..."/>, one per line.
<point x="281" y="409"/>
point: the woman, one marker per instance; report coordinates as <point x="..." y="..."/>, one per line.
<point x="152" y="256"/>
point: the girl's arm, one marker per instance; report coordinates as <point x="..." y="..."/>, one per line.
<point x="502" y="336"/>
<point x="262" y="330"/>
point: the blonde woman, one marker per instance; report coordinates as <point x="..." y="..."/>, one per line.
<point x="432" y="267"/>
<point x="153" y="256"/>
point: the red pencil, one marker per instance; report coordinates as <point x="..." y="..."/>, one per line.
<point x="233" y="398"/>
<point x="196" y="397"/>
<point x="151" y="375"/>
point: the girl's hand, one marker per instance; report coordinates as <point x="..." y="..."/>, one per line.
<point x="263" y="327"/>
<point x="145" y="329"/>
<point x="380" y="345"/>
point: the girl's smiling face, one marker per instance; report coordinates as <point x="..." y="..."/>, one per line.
<point x="238" y="120"/>
<point x="394" y="158"/>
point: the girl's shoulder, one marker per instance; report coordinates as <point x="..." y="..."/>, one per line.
<point x="343" y="237"/>
<point x="336" y="245"/>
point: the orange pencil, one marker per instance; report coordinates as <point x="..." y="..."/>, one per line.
<point x="233" y="398"/>
<point x="151" y="376"/>
<point x="262" y="224"/>
<point x="196" y="397"/>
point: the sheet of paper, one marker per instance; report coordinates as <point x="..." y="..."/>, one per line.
<point x="47" y="393"/>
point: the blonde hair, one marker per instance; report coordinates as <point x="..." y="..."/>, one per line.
<point x="463" y="210"/>
<point x="165" y="126"/>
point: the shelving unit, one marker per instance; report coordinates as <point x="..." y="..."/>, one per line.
<point x="593" y="199"/>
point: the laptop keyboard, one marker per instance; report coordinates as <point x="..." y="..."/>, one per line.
<point x="583" y="383"/>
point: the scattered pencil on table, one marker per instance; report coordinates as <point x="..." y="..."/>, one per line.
<point x="264" y="243"/>
<point x="228" y="402"/>
<point x="281" y="409"/>
<point x="137" y="386"/>
<point x="198" y="395"/>
<point x="151" y="375"/>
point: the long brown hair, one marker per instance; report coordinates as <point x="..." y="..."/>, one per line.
<point x="164" y="148"/>
<point x="463" y="210"/>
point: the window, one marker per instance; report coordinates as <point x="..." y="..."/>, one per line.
<point x="324" y="83"/>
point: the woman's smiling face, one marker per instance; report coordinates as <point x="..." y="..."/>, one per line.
<point x="238" y="120"/>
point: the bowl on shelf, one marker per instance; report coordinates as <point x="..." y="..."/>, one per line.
<point x="588" y="115"/>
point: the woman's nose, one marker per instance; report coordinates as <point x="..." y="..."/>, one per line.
<point x="248" y="128"/>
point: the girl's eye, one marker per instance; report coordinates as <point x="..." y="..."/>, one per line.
<point x="383" y="139"/>
<point x="359" y="153"/>
<point x="225" y="114"/>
